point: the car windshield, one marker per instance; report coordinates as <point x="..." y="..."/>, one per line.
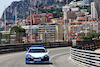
<point x="36" y="51"/>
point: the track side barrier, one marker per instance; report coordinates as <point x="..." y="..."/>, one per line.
<point x="22" y="46"/>
<point x="85" y="57"/>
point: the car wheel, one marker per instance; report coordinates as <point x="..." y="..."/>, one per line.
<point x="26" y="62"/>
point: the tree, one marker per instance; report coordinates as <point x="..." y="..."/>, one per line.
<point x="17" y="30"/>
<point x="20" y="32"/>
<point x="98" y="34"/>
<point x="89" y="36"/>
<point x="52" y="9"/>
<point x="5" y="36"/>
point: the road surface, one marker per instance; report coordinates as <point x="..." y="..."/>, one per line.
<point x="59" y="57"/>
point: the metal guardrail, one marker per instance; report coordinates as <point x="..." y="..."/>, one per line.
<point x="23" y="46"/>
<point x="85" y="57"/>
<point x="87" y="44"/>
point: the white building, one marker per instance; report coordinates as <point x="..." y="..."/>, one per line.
<point x="1" y="24"/>
<point x="94" y="14"/>
<point x="87" y="2"/>
<point x="28" y="28"/>
<point x="75" y="9"/>
<point x="66" y="8"/>
<point x="78" y="3"/>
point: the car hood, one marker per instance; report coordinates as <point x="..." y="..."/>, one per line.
<point x="38" y="54"/>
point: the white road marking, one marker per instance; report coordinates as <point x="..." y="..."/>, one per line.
<point x="57" y="55"/>
<point x="57" y="48"/>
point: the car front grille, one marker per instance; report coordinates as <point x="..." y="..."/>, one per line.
<point x="44" y="59"/>
<point x="30" y="59"/>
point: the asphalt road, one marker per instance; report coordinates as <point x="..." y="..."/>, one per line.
<point x="59" y="57"/>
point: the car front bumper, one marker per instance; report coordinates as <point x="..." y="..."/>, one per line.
<point x="46" y="60"/>
<point x="37" y="61"/>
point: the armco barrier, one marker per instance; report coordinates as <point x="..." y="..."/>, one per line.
<point x="88" y="44"/>
<point x="85" y="57"/>
<point x="23" y="46"/>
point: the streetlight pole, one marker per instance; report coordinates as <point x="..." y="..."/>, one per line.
<point x="85" y="26"/>
<point x="0" y="37"/>
<point x="30" y="21"/>
<point x="27" y="35"/>
<point x="45" y="35"/>
<point x="64" y="31"/>
<point x="67" y="31"/>
<point x="16" y="16"/>
<point x="30" y="24"/>
<point x="5" y="20"/>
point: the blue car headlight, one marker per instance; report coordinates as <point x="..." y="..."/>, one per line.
<point x="46" y="56"/>
<point x="29" y="56"/>
<point x="42" y="57"/>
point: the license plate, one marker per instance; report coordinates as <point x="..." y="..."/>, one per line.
<point x="37" y="59"/>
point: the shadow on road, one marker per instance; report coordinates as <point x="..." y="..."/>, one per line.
<point x="40" y="63"/>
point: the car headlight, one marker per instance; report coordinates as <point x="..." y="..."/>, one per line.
<point x="29" y="56"/>
<point x="32" y="58"/>
<point x="42" y="57"/>
<point x="46" y="56"/>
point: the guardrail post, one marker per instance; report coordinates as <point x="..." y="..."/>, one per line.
<point x="0" y="37"/>
<point x="9" y="38"/>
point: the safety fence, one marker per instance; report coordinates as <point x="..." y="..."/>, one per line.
<point x="22" y="47"/>
<point x="87" y="44"/>
<point x="85" y="57"/>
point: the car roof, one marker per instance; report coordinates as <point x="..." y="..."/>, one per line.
<point x="37" y="46"/>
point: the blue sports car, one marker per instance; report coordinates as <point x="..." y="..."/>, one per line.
<point x="37" y="54"/>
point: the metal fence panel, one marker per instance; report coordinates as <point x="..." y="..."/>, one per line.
<point x="88" y="58"/>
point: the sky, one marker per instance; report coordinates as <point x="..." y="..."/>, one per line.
<point x="5" y="3"/>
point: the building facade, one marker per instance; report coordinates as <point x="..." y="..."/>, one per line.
<point x="80" y="28"/>
<point x="50" y="33"/>
<point x="68" y="1"/>
<point x="28" y="29"/>
<point x="94" y="14"/>
<point x="69" y="15"/>
<point x="40" y="18"/>
<point x="87" y="2"/>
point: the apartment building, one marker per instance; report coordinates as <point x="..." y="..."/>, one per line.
<point x="94" y="14"/>
<point x="87" y="2"/>
<point x="84" y="27"/>
<point x="50" y="33"/>
<point x="40" y="18"/>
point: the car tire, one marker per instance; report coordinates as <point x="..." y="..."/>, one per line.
<point x="26" y="62"/>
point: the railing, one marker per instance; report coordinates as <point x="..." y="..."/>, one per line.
<point x="85" y="57"/>
<point x="23" y="46"/>
<point x="88" y="44"/>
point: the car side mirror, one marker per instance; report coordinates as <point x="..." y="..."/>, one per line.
<point x="25" y="51"/>
<point x="48" y="52"/>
